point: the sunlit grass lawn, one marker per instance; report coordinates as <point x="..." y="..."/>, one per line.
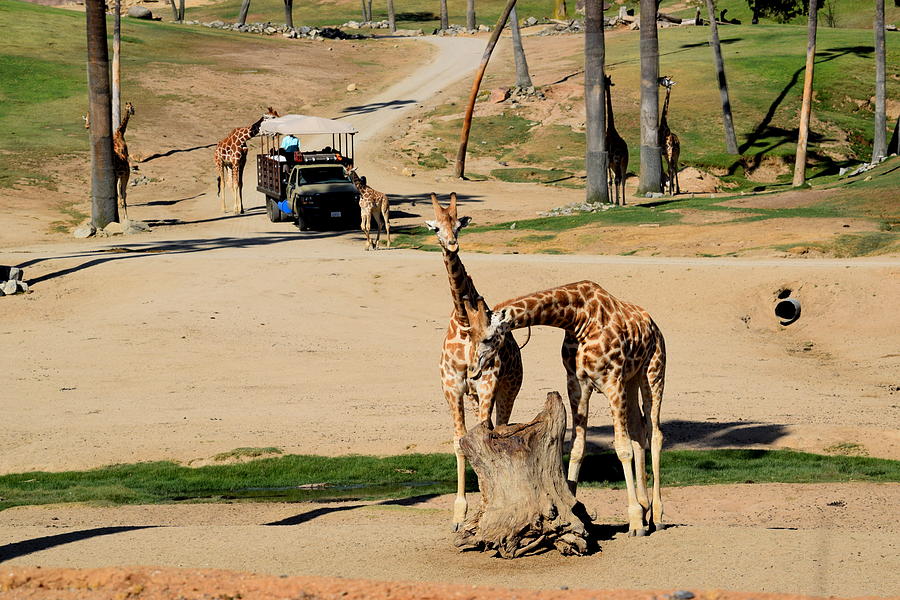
<point x="277" y="479"/>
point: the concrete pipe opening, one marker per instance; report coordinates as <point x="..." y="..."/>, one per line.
<point x="788" y="310"/>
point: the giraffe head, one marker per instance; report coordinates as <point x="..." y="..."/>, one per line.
<point x="129" y="109"/>
<point x="608" y="80"/>
<point x="270" y="113"/>
<point x="487" y="332"/>
<point x="446" y="225"/>
<point x="666" y="81"/>
<point x="359" y="182"/>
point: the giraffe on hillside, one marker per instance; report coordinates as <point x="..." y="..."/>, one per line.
<point x="372" y="204"/>
<point x="611" y="346"/>
<point x="669" y="145"/>
<point x="121" y="164"/>
<point x="617" y="148"/>
<point x="231" y="154"/>
<point x="495" y="390"/>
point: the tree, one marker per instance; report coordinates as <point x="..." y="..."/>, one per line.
<point x="470" y="15"/>
<point x="806" y="107"/>
<point x="879" y="145"/>
<point x="445" y="20"/>
<point x="596" y="159"/>
<point x="289" y="13"/>
<point x="392" y="17"/>
<point x="365" y="14"/>
<point x="780" y="11"/>
<point x="523" y="79"/>
<point x="476" y="84"/>
<point x="245" y="8"/>
<point x="651" y="160"/>
<point x="559" y="9"/>
<point x="116" y="64"/>
<point x="174" y="10"/>
<point x="181" y="10"/>
<point x="103" y="177"/>
<point x="730" y="139"/>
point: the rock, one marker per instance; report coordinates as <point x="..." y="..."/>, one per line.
<point x="11" y="273"/>
<point x="84" y="231"/>
<point x="270" y="30"/>
<point x="139" y="12"/>
<point x="407" y="172"/>
<point x="136" y="227"/>
<point x="351" y="87"/>
<point x="498" y="95"/>
<point x="530" y="22"/>
<point x="114" y="228"/>
<point x="216" y="24"/>
<point x="483" y="28"/>
<point x="23" y="287"/>
<point x="634" y="26"/>
<point x="10" y="287"/>
<point x="682" y="595"/>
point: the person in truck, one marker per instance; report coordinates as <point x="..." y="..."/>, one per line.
<point x="290" y="144"/>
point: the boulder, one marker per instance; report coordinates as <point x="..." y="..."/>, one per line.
<point x="351" y="87"/>
<point x="10" y="287"/>
<point x="530" y="22"/>
<point x="139" y="12"/>
<point x="499" y="95"/>
<point x="84" y="231"/>
<point x="114" y="228"/>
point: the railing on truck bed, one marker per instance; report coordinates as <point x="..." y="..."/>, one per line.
<point x="269" y="177"/>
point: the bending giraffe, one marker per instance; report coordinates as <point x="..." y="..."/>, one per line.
<point x="372" y="204"/>
<point x="611" y="346"/>
<point x="121" y="164"/>
<point x="669" y="145"/>
<point x="231" y="155"/>
<point x="496" y="390"/>
<point x="616" y="147"/>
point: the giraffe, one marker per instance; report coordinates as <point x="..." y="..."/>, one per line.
<point x="618" y="149"/>
<point x="372" y="203"/>
<point x="231" y="154"/>
<point x="498" y="387"/>
<point x="668" y="142"/>
<point x="121" y="165"/>
<point x="611" y="346"/>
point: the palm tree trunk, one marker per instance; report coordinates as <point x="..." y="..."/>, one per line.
<point x="730" y="139"/>
<point x="392" y="17"/>
<point x="116" y="65"/>
<point x="651" y="161"/>
<point x="289" y="13"/>
<point x="470" y="15"/>
<point x="596" y="158"/>
<point x="103" y="176"/>
<point x="523" y="79"/>
<point x="879" y="145"/>
<point x="479" y="75"/>
<point x="245" y="8"/>
<point x="181" y="10"/>
<point x="445" y="19"/>
<point x="806" y="107"/>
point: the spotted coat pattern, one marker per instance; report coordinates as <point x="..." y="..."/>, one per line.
<point x="231" y="155"/>
<point x="121" y="164"/>
<point x="372" y="204"/>
<point x="617" y="149"/>
<point x="611" y="346"/>
<point x="669" y="144"/>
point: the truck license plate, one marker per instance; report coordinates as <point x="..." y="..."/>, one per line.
<point x="335" y="213"/>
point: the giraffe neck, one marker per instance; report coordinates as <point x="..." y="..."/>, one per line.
<point x="610" y="123"/>
<point x="565" y="307"/>
<point x="241" y="135"/>
<point x="461" y="285"/>
<point x="124" y="124"/>
<point x="664" y="124"/>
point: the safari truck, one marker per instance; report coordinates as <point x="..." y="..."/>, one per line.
<point x="309" y="187"/>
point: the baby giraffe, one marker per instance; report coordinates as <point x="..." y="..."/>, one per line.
<point x="372" y="203"/>
<point x="611" y="346"/>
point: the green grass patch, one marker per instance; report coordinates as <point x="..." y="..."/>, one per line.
<point x="243" y="453"/>
<point x="323" y="478"/>
<point x="531" y="175"/>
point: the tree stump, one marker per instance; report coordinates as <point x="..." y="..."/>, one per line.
<point x="526" y="501"/>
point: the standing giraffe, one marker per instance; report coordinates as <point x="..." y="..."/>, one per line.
<point x="618" y="349"/>
<point x="668" y="141"/>
<point x="616" y="146"/>
<point x="372" y="203"/>
<point x="121" y="165"/>
<point x="495" y="388"/>
<point x="231" y="154"/>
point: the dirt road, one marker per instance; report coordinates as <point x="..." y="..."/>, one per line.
<point x="212" y="333"/>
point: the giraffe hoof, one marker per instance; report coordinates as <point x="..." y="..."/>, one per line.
<point x="642" y="532"/>
<point x="456" y="527"/>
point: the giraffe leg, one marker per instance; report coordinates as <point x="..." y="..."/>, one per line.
<point x="652" y="385"/>
<point x="378" y="224"/>
<point x="123" y="192"/>
<point x="455" y="394"/>
<point x="579" y="433"/>
<point x="573" y="387"/>
<point x="615" y="393"/>
<point x="366" y="225"/>
<point x="386" y="214"/>
<point x="221" y="184"/>
<point x="509" y="379"/>
<point x="239" y="185"/>
<point x="638" y="442"/>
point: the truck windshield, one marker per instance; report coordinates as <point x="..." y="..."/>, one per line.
<point x="329" y="174"/>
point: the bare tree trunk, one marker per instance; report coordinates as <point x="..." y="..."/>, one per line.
<point x="371" y="14"/>
<point x="879" y="144"/>
<point x="174" y="10"/>
<point x="104" y="209"/>
<point x="523" y="79"/>
<point x="470" y="15"/>
<point x="651" y="160"/>
<point x="806" y="107"/>
<point x="116" y="66"/>
<point x="894" y="144"/>
<point x="245" y="8"/>
<point x="730" y="140"/>
<point x="445" y="19"/>
<point x="181" y="10"/>
<point x="559" y="9"/>
<point x="365" y="16"/>
<point x="392" y="17"/>
<point x="476" y="84"/>
<point x="596" y="159"/>
<point x="289" y="13"/>
<point x="527" y="504"/>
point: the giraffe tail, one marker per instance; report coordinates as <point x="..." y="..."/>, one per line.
<point x="218" y="185"/>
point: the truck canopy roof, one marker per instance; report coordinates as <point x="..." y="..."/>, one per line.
<point x="304" y="125"/>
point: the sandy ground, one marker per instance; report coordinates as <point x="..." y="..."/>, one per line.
<point x="215" y="332"/>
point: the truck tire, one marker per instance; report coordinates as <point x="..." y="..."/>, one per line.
<point x="272" y="210"/>
<point x="301" y="222"/>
